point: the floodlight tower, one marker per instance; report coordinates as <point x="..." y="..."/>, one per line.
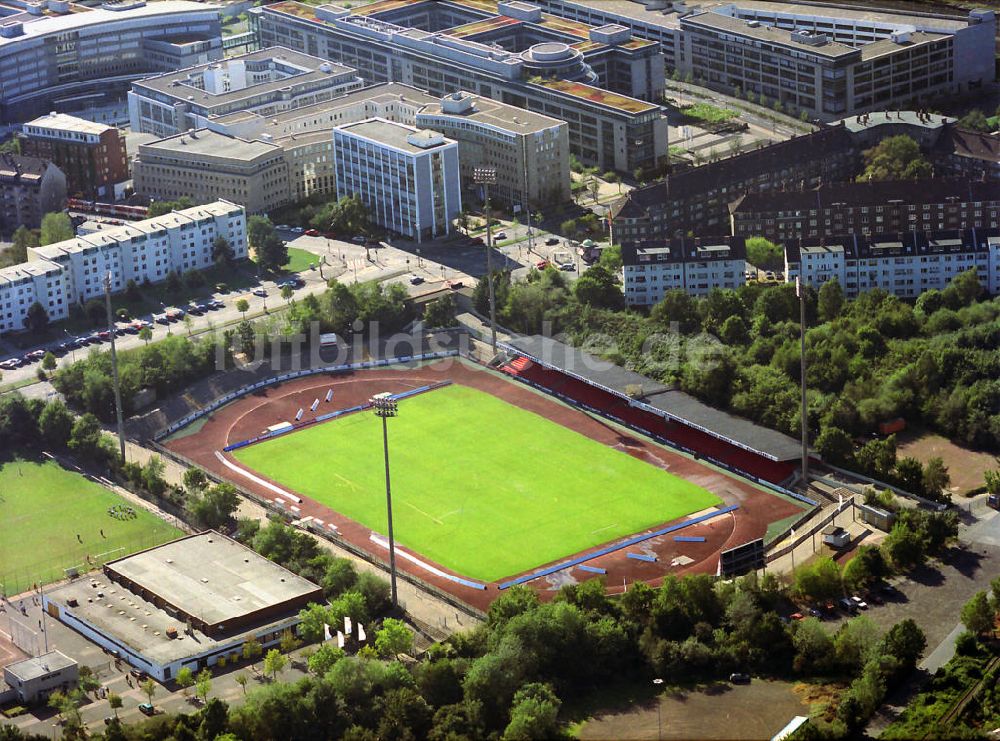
<point x="487" y="176"/>
<point x="114" y="366"/>
<point x="385" y="406"/>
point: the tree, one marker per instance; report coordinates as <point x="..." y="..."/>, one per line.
<point x="441" y="312"/>
<point x="905" y="642"/>
<point x="242" y="306"/>
<point x="936" y="480"/>
<point x="978" y="615"/>
<point x="287" y="292"/>
<point x="216" y="506"/>
<point x="37" y="319"/>
<point x="835" y="445"/>
<point x="241" y="680"/>
<point x="115" y="702"/>
<point x="288" y="642"/>
<point x="975" y="120"/>
<point x="895" y="158"/>
<point x="393" y="639"/>
<point x="95" y="311"/>
<point x="324" y="658"/>
<point x="252" y="651"/>
<point x="148" y="687"/>
<point x="820" y="580"/>
<point x="764" y="254"/>
<point x="274" y="662"/>
<point x="173" y="282"/>
<point x="597" y="287"/>
<point x="49" y="361"/>
<point x="203" y="685"/>
<point x="146" y="334"/>
<point x="56" y="227"/>
<point x="992" y="481"/>
<point x="904" y="547"/>
<point x="195" y="480"/>
<point x="158" y="208"/>
<point x="55" y="424"/>
<point x="222" y="252"/>
<point x="831" y="300"/>
<point x="185" y="679"/>
<point x="533" y="714"/>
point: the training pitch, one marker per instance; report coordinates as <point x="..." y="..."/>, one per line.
<point x="43" y="508"/>
<point x="480" y="486"/>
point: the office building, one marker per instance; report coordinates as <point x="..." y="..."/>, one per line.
<point x="207" y="166"/>
<point x="407" y="177"/>
<point x="29" y="188"/>
<point x="143" y="250"/>
<point x="904" y="264"/>
<point x="55" y="55"/>
<point x="697" y="199"/>
<point x="188" y="603"/>
<point x="264" y="82"/>
<point x="825" y="60"/>
<point x="695" y="265"/>
<point x="34" y="679"/>
<point x="91" y="155"/>
<point x="529" y="151"/>
<point x="867" y="208"/>
<point x="603" y="82"/>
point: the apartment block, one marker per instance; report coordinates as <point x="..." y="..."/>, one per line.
<point x="603" y="82"/>
<point x="264" y="82"/>
<point x="141" y="251"/>
<point x="91" y="155"/>
<point x="902" y="264"/>
<point x="29" y="188"/>
<point x="867" y="208"/>
<point x="695" y="265"/>
<point x="57" y="55"/>
<point x="826" y="60"/>
<point x="23" y="285"/>
<point x="407" y="177"/>
<point x="207" y="166"/>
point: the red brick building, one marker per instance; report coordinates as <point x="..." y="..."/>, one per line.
<point x="91" y="155"/>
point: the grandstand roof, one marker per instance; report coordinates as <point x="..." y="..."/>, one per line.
<point x="656" y="396"/>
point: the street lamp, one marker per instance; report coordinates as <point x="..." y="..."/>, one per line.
<point x="385" y="406"/>
<point x="659" y="720"/>
<point x="487" y="176"/>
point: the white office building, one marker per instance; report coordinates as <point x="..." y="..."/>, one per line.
<point x="903" y="264"/>
<point x="695" y="265"/>
<point x="58" y="275"/>
<point x="408" y="178"/>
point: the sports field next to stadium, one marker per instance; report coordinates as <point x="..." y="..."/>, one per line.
<point x="479" y="486"/>
<point x="43" y="508"/>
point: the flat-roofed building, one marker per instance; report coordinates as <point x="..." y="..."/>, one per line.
<point x="187" y="603"/>
<point x="867" y="208"/>
<point x="695" y="265"/>
<point x="91" y="155"/>
<point x="34" y="679"/>
<point x="264" y="82"/>
<point x="603" y="82"/>
<point x="904" y="264"/>
<point x="825" y="60"/>
<point x="147" y="250"/>
<point x="58" y="55"/>
<point x="29" y="188"/>
<point x="407" y="177"/>
<point x="530" y="151"/>
<point x="207" y="166"/>
<point x="27" y="283"/>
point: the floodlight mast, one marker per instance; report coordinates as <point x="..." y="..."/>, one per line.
<point x="487" y="176"/>
<point x="384" y="407"/>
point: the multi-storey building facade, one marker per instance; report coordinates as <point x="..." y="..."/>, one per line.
<point x="828" y="61"/>
<point x="92" y="156"/>
<point x="264" y="82"/>
<point x="598" y="80"/>
<point x="67" y="57"/>
<point x="867" y="208"/>
<point x="29" y="188"/>
<point x="697" y="199"/>
<point x="407" y="177"/>
<point x="904" y="264"/>
<point x="692" y="264"/>
<point x="529" y="151"/>
<point x="207" y="166"/>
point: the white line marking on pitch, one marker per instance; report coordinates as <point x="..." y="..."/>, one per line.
<point x="256" y="479"/>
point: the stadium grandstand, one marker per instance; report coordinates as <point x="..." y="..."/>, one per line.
<point x="662" y="411"/>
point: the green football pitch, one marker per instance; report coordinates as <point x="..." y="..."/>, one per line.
<point x="43" y="507"/>
<point x="480" y="486"/>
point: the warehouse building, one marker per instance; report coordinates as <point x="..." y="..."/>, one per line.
<point x="187" y="603"/>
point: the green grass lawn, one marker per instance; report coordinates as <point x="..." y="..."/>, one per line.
<point x="708" y="113"/>
<point x="299" y="260"/>
<point x="42" y="509"/>
<point x="479" y="486"/>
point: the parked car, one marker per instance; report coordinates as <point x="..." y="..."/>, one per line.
<point x="285" y="227"/>
<point x="860" y="603"/>
<point x="262" y="292"/>
<point x="296" y="230"/>
<point x="500" y="235"/>
<point x="416" y="280"/>
<point x="146" y="709"/>
<point x="139" y="674"/>
<point x="875" y="599"/>
<point x="62" y="348"/>
<point x="847" y="605"/>
<point x="312" y="232"/>
<point x="215" y="304"/>
<point x="454" y="284"/>
<point x="104" y="335"/>
<point x="568" y="267"/>
<point x="11" y="364"/>
<point x="797" y="616"/>
<point x="813" y="612"/>
<point x="358" y="239"/>
<point x="552" y="241"/>
<point x="35" y="355"/>
<point x="542" y="264"/>
<point x="739" y="678"/>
